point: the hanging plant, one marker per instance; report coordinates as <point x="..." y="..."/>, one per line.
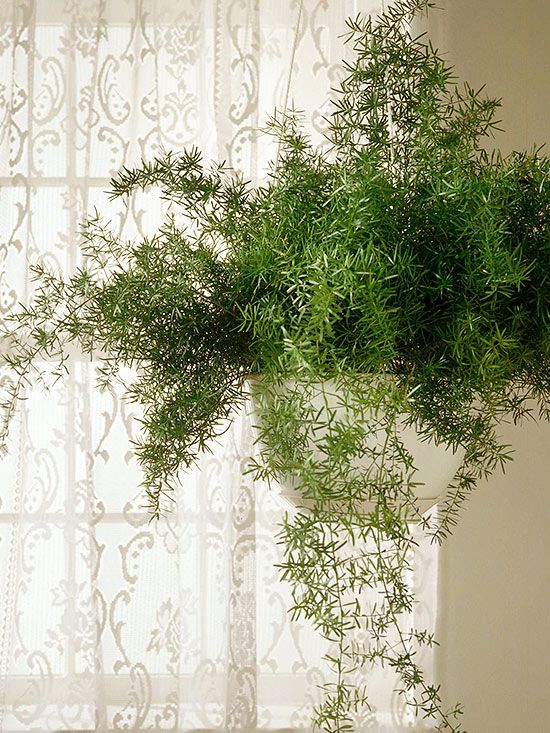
<point x="392" y="289"/>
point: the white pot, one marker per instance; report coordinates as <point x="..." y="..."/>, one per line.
<point x="435" y="464"/>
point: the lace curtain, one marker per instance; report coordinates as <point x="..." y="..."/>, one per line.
<point x="108" y="622"/>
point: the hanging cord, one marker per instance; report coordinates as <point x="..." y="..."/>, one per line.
<point x="291" y="70"/>
<point x="391" y="127"/>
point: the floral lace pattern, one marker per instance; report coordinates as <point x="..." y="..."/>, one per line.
<point x="108" y="622"/>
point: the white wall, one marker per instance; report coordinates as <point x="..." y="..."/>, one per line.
<point x="495" y="570"/>
<point x="504" y="44"/>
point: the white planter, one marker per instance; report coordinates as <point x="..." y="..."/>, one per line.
<point x="435" y="464"/>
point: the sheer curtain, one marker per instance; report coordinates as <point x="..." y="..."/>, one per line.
<point x="108" y="622"/>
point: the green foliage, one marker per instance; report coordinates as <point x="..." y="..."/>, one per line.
<point x="405" y="271"/>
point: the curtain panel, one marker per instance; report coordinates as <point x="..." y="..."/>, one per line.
<point x="108" y="621"/>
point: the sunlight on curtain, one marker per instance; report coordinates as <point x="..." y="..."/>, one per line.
<point x="108" y="622"/>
